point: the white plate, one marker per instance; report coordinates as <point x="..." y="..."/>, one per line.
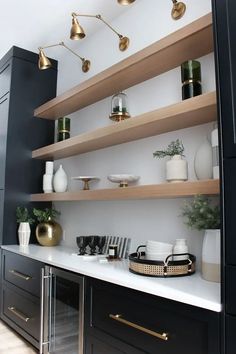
<point x="123" y="178"/>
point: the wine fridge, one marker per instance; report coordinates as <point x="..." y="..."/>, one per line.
<point x="62" y="312"/>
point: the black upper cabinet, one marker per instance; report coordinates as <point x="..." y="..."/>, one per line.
<point x="225" y="51"/>
<point x="23" y="87"/>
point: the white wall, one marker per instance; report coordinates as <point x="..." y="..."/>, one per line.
<point x="144" y="22"/>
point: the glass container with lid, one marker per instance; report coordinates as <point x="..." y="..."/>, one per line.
<point x="119" y="107"/>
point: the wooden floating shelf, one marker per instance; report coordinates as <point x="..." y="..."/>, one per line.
<point x="161" y="191"/>
<point x="188" y="113"/>
<point x="191" y="41"/>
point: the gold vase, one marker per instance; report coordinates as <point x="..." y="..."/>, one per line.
<point x="49" y="233"/>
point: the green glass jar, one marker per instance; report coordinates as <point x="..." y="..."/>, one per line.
<point x="63" y="129"/>
<point x="191" y="79"/>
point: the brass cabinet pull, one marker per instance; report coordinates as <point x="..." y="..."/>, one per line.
<point x="163" y="336"/>
<point x="18" y="314"/>
<point x="20" y="275"/>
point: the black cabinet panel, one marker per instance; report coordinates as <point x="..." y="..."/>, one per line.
<point x="230" y="305"/>
<point x="97" y="346"/>
<point x="229" y="209"/>
<point x="4" y="107"/>
<point x="230" y="327"/>
<point x="225" y="50"/>
<point x="22" y="310"/>
<point x="5" y="79"/>
<point x="1" y="211"/>
<point x="22" y="271"/>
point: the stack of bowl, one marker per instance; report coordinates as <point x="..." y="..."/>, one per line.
<point x="158" y="251"/>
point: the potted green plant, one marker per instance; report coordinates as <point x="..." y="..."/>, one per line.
<point x="176" y="166"/>
<point x="48" y="231"/>
<point x="24" y="219"/>
<point x="202" y="214"/>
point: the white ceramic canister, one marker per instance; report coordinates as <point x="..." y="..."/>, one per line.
<point x="48" y="177"/>
<point x="60" y="181"/>
<point x="176" y="169"/>
<point x="211" y="255"/>
<point x="180" y="247"/>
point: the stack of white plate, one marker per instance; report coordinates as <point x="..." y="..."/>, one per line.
<point x="158" y="251"/>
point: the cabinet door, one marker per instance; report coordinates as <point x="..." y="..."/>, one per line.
<point x="224" y="15"/>
<point x="97" y="346"/>
<point x="4" y="105"/>
<point x="5" y="79"/>
<point x="1" y="213"/>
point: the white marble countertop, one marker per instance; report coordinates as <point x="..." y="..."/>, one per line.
<point x="192" y="290"/>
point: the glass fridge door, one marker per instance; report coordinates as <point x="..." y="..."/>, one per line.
<point x="65" y="313"/>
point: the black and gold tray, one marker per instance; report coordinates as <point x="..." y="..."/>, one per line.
<point x="168" y="268"/>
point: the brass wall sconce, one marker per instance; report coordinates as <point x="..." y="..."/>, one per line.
<point x="125" y="2"/>
<point x="178" y="10"/>
<point x="77" y="31"/>
<point x="44" y="62"/>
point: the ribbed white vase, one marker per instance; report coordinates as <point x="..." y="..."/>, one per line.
<point x="24" y="233"/>
<point x="60" y="181"/>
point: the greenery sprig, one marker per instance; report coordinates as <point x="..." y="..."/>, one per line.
<point x="44" y="215"/>
<point x="174" y="148"/>
<point x="201" y="215"/>
<point x="23" y="215"/>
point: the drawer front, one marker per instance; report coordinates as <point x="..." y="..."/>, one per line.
<point x="23" y="272"/>
<point x="24" y="311"/>
<point x="5" y="79"/>
<point x="230" y="326"/>
<point x="147" y="325"/>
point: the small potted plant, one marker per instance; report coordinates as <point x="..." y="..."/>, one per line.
<point x="201" y="214"/>
<point x="48" y="231"/>
<point x="176" y="166"/>
<point x="24" y="220"/>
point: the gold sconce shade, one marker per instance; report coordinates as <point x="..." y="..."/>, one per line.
<point x="125" y="2"/>
<point x="43" y="62"/>
<point x="178" y="10"/>
<point x="76" y="31"/>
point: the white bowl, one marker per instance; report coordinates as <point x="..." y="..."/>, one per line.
<point x="159" y="247"/>
<point x="157" y="256"/>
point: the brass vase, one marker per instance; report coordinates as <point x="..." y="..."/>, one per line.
<point x="49" y="233"/>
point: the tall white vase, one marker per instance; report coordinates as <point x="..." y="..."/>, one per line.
<point x="176" y="169"/>
<point x="24" y="233"/>
<point x="211" y="255"/>
<point x="60" y="181"/>
<point x="203" y="161"/>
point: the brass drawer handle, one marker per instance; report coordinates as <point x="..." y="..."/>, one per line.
<point x="20" y="275"/>
<point x="18" y="314"/>
<point x="163" y="336"/>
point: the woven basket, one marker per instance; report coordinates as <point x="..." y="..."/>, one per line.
<point x="169" y="268"/>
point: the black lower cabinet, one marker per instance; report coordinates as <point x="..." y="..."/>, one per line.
<point x="230" y="326"/>
<point x="117" y="316"/>
<point x="20" y="293"/>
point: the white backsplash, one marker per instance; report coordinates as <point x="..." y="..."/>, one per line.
<point x="141" y="219"/>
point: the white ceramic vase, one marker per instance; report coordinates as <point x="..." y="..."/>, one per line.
<point x="176" y="169"/>
<point x="215" y="153"/>
<point x="60" y="181"/>
<point x="48" y="177"/>
<point x="203" y="161"/>
<point x="211" y="255"/>
<point x="24" y="233"/>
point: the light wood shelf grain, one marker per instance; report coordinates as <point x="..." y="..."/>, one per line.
<point x="188" y="113"/>
<point x="191" y="41"/>
<point x="156" y="191"/>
